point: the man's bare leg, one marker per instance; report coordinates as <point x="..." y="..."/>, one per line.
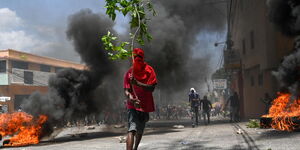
<point x="130" y="140"/>
<point x="138" y="138"/>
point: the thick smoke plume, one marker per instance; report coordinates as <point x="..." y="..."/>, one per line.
<point x="175" y="32"/>
<point x="285" y="14"/>
<point x="76" y="93"/>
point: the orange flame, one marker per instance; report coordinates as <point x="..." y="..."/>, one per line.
<point x="24" y="128"/>
<point x="283" y="111"/>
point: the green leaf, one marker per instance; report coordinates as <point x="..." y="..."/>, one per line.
<point x="136" y="8"/>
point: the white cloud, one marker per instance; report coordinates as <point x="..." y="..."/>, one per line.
<point x="17" y="34"/>
<point x="17" y="40"/>
<point x="14" y="34"/>
<point x="9" y="19"/>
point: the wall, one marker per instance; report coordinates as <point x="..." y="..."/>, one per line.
<point x="259" y="61"/>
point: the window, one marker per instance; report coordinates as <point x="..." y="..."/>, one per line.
<point x="260" y="79"/>
<point x="2" y="65"/>
<point x="252" y="39"/>
<point x="19" y="64"/>
<point x="252" y="81"/>
<point x="45" y="68"/>
<point x="28" y="77"/>
<point x="244" y="46"/>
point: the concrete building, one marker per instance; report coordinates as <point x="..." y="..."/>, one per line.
<point x="22" y="74"/>
<point x="260" y="48"/>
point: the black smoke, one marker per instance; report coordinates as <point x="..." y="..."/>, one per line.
<point x="74" y="94"/>
<point x="171" y="52"/>
<point x="285" y="14"/>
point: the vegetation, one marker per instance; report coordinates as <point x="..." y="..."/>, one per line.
<point x="138" y="23"/>
<point x="253" y="123"/>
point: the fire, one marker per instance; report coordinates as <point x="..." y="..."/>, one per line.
<point x="24" y="128"/>
<point x="283" y="111"/>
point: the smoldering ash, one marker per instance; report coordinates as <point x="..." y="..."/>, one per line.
<point x="285" y="14"/>
<point x="76" y="93"/>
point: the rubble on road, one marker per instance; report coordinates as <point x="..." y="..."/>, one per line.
<point x="90" y="127"/>
<point x="122" y="139"/>
<point x="178" y="126"/>
<point x="184" y="142"/>
<point x="239" y="131"/>
<point x="119" y="126"/>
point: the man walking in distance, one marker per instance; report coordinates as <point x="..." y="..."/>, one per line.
<point x="194" y="101"/>
<point x="139" y="83"/>
<point x="205" y="104"/>
<point x="234" y="107"/>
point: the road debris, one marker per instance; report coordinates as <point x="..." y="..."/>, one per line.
<point x="184" y="142"/>
<point x="119" y="126"/>
<point x="122" y="139"/>
<point x="90" y="127"/>
<point x="178" y="126"/>
<point x="239" y="131"/>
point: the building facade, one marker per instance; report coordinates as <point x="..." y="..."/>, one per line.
<point x="22" y="74"/>
<point x="260" y="48"/>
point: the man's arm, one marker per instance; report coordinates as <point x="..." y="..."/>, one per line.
<point x="131" y="98"/>
<point x="145" y="86"/>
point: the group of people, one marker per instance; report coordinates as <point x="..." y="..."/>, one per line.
<point x="204" y="106"/>
<point x="199" y="104"/>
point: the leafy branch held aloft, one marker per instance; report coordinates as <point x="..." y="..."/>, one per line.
<point x="138" y="23"/>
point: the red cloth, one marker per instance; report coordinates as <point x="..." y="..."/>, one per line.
<point x="145" y="74"/>
<point x="141" y="70"/>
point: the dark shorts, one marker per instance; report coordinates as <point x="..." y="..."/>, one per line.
<point x="195" y="109"/>
<point x="137" y="120"/>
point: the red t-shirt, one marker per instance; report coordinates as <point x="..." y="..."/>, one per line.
<point x="145" y="97"/>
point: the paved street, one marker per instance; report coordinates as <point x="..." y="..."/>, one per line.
<point x="161" y="135"/>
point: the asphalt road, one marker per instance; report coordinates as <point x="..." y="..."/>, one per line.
<point x="161" y="135"/>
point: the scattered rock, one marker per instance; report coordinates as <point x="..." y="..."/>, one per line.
<point x="122" y="139"/>
<point x="184" y="142"/>
<point x="90" y="127"/>
<point x="178" y="126"/>
<point x="119" y="126"/>
<point x="239" y="131"/>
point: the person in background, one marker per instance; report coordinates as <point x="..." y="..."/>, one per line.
<point x="206" y="106"/>
<point x="234" y="107"/>
<point x="194" y="102"/>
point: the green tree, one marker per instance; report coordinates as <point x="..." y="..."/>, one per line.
<point x="138" y="23"/>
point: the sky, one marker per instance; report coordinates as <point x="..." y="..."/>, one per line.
<point x="38" y="27"/>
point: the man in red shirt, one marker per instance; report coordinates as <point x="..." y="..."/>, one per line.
<point x="139" y="83"/>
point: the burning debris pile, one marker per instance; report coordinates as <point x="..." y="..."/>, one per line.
<point x="24" y="128"/>
<point x="284" y="113"/>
